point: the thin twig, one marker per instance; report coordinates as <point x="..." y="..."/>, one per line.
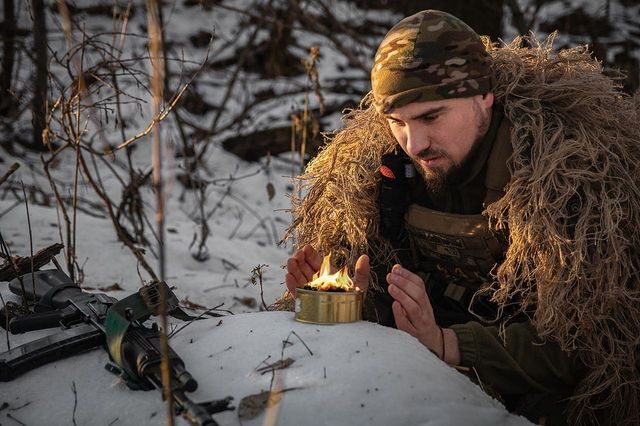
<point x="6" y="321"/>
<point x="74" y="199"/>
<point x="256" y="276"/>
<point x="12" y="262"/>
<point x="288" y="342"/>
<point x="9" y="416"/>
<point x="207" y="312"/>
<point x="8" y="209"/>
<point x="264" y="361"/>
<point x="278" y="365"/>
<point x="33" y="278"/>
<point x="20" y="407"/>
<point x="300" y="338"/>
<point x="162" y="114"/>
<point x="75" y="401"/>
<point x="62" y="209"/>
<point x="12" y="169"/>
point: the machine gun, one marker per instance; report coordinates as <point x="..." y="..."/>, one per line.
<point x="90" y="320"/>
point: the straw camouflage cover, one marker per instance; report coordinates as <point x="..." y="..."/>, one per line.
<point x="582" y="278"/>
<point x="429" y="56"/>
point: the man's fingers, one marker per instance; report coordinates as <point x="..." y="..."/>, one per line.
<point x="408" y="282"/>
<point x="414" y="279"/>
<point x="305" y="268"/>
<point x="307" y="261"/>
<point x="291" y="283"/>
<point x="362" y="273"/>
<point x="313" y="257"/>
<point x="402" y="321"/>
<point x="294" y="270"/>
<point x="409" y="305"/>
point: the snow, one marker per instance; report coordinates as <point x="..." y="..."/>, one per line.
<point x="359" y="373"/>
<point x="374" y="375"/>
<point x="413" y="386"/>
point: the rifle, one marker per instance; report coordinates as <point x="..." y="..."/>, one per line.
<point x="90" y="320"/>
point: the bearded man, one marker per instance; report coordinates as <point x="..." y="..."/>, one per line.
<point x="513" y="252"/>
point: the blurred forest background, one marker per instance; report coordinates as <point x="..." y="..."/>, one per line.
<point x="258" y="78"/>
<point x="268" y="44"/>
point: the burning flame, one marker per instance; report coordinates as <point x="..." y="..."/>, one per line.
<point x="324" y="280"/>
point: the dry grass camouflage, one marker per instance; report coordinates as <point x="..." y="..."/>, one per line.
<point x="573" y="132"/>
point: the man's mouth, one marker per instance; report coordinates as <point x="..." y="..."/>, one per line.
<point x="428" y="162"/>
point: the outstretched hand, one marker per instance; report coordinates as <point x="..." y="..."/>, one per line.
<point x="307" y="261"/>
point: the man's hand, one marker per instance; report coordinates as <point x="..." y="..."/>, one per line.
<point x="413" y="313"/>
<point x="307" y="261"/>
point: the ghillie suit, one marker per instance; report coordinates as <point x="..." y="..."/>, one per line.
<point x="572" y="209"/>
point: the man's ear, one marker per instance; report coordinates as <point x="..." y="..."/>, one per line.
<point x="487" y="99"/>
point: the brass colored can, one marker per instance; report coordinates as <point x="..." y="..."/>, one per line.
<point x="328" y="307"/>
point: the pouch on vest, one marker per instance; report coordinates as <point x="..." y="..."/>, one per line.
<point x="397" y="176"/>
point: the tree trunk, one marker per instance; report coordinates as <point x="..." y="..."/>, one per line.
<point x="38" y="105"/>
<point x="8" y="55"/>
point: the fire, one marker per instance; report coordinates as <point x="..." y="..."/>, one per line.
<point x="324" y="280"/>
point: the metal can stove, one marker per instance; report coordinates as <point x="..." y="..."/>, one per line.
<point x="328" y="307"/>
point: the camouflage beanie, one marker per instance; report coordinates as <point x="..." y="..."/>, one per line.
<point x="429" y="56"/>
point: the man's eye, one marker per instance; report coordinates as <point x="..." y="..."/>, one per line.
<point x="395" y="122"/>
<point x="429" y="118"/>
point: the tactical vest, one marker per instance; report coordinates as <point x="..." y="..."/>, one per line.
<point x="456" y="253"/>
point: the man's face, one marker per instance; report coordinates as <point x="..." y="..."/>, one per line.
<point x="441" y="136"/>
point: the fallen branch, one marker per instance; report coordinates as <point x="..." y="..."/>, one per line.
<point x="23" y="264"/>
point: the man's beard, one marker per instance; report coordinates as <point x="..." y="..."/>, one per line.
<point x="436" y="178"/>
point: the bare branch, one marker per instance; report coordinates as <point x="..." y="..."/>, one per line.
<point x="8" y="173"/>
<point x="165" y="110"/>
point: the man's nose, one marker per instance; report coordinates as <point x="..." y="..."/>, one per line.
<point x="417" y="140"/>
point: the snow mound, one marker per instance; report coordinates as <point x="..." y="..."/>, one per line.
<point x="347" y="374"/>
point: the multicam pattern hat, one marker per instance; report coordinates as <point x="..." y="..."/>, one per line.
<point x="429" y="56"/>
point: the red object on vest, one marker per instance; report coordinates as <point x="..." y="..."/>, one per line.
<point x="387" y="172"/>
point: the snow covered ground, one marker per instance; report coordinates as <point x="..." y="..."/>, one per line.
<point x="351" y="374"/>
<point x="358" y="374"/>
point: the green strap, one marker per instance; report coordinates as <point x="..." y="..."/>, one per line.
<point x="137" y="307"/>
